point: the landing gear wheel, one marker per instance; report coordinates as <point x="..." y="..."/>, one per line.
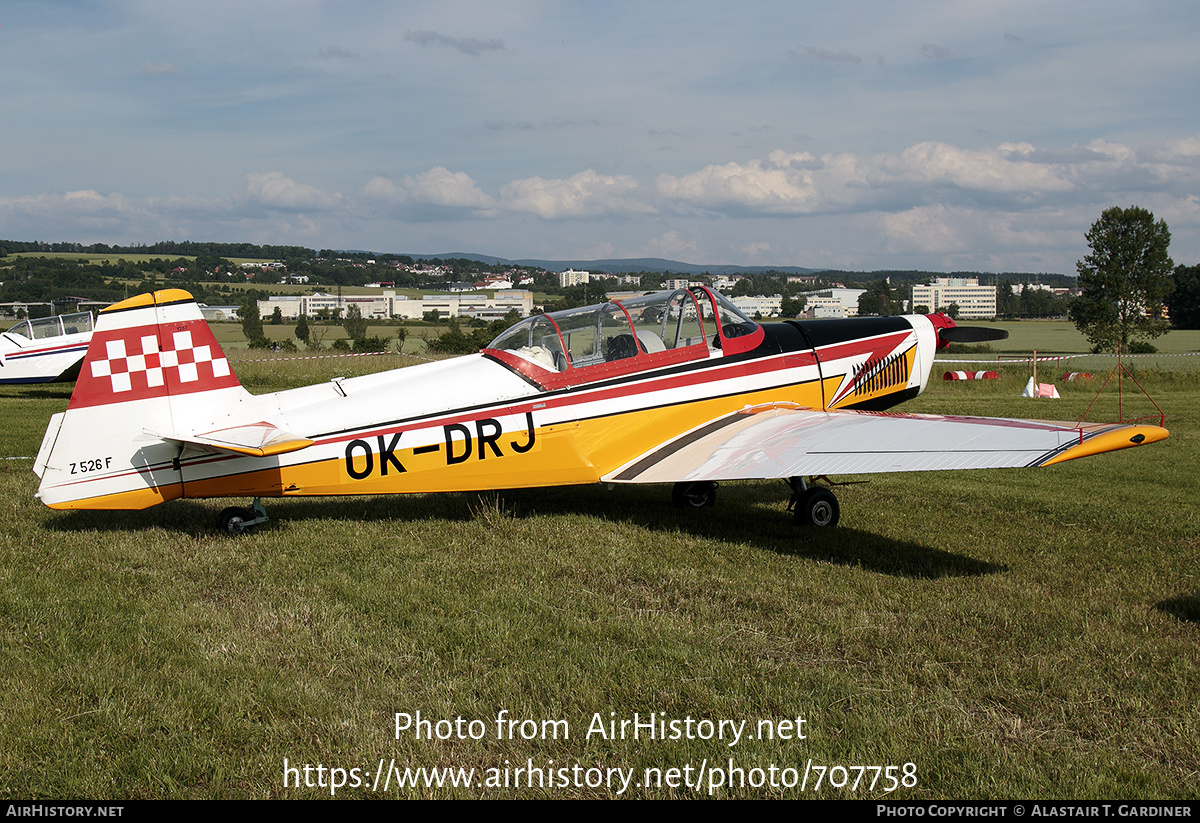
<point x="817" y="507"/>
<point x="234" y="520"/>
<point x="694" y="495"/>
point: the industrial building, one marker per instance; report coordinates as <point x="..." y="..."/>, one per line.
<point x="972" y="299"/>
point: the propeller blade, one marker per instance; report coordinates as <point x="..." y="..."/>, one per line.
<point x="971" y="334"/>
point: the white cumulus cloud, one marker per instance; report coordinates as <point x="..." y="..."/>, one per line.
<point x="587" y="194"/>
<point x="787" y="183"/>
<point x="437" y="187"/>
<point x="1005" y="169"/>
<point x="927" y="229"/>
<point x="274" y="190"/>
<point x="783" y="183"/>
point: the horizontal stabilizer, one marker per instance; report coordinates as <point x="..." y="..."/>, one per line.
<point x="255" y="439"/>
<point x="786" y="443"/>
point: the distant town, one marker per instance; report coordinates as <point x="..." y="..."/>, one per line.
<point x="39" y="279"/>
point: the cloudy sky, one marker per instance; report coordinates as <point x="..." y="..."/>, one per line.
<point x="983" y="134"/>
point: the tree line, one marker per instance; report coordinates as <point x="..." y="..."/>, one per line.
<point x="1127" y="279"/>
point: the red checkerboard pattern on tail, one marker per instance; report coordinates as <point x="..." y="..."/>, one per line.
<point x="149" y="365"/>
<point x="151" y="349"/>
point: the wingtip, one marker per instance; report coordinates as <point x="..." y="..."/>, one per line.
<point x="1115" y="439"/>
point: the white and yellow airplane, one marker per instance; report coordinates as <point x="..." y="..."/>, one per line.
<point x="676" y="387"/>
<point x="44" y="350"/>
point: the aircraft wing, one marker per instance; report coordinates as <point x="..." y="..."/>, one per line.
<point x="772" y="442"/>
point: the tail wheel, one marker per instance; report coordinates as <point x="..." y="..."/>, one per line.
<point x="817" y="507"/>
<point x="694" y="495"/>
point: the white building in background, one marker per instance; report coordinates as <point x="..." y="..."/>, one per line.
<point x="830" y="303"/>
<point x="972" y="299"/>
<point x="760" y="305"/>
<point x="570" y="277"/>
<point x="292" y="306"/>
<point x="389" y="304"/>
<point x="823" y="308"/>
<point x="470" y="305"/>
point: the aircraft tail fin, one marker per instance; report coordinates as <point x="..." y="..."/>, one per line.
<point x="151" y="346"/>
<point x="153" y="369"/>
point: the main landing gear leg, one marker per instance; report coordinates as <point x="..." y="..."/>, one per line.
<point x="237" y="521"/>
<point x="812" y="505"/>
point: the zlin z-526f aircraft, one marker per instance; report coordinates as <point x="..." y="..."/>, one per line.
<point x="676" y="387"/>
<point x="45" y="350"/>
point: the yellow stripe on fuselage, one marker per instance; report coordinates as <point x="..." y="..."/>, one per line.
<point x="127" y="501"/>
<point x="566" y="453"/>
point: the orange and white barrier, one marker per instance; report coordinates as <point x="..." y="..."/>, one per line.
<point x="970" y="375"/>
<point x="1040" y="390"/>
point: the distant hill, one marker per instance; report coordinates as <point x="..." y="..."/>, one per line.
<point x="636" y="265"/>
<point x="659" y="264"/>
<point x="623" y="266"/>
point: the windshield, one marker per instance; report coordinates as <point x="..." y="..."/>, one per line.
<point x="625" y="328"/>
<point x="535" y="339"/>
<point x="733" y="322"/>
<point x="43" y="327"/>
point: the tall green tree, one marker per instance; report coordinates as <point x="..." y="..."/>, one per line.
<point x="1007" y="302"/>
<point x="354" y="324"/>
<point x="1184" y="301"/>
<point x="792" y="306"/>
<point x="302" y="328"/>
<point x="1125" y="278"/>
<point x="878" y="299"/>
<point x="252" y="326"/>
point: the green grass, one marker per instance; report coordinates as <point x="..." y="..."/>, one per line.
<point x="1014" y="634"/>
<point x="1060" y="340"/>
<point x="1061" y="336"/>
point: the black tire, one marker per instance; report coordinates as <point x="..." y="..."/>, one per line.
<point x="233" y="520"/>
<point x="694" y="495"/>
<point x="818" y="507"/>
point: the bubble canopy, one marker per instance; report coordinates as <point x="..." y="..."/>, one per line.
<point x="635" y="332"/>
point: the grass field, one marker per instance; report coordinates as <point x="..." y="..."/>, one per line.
<point x="1011" y="634"/>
